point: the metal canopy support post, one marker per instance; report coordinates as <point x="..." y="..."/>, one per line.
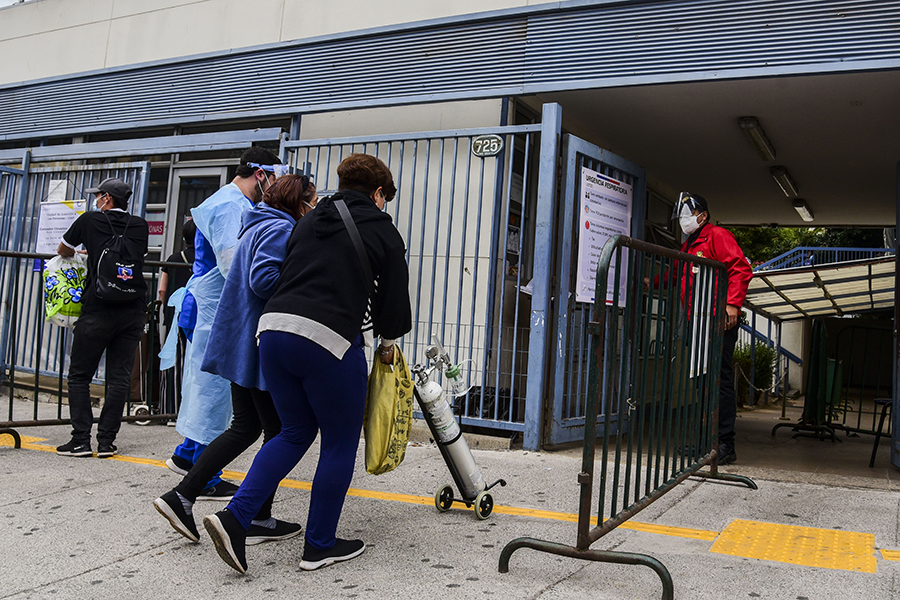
<point x="538" y="351"/>
<point x="895" y="408"/>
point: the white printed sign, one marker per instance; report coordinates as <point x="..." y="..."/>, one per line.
<point x="605" y="211"/>
<point x="55" y="220"/>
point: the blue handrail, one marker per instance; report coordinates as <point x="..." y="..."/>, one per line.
<point x="765" y="339"/>
<point x="811" y="256"/>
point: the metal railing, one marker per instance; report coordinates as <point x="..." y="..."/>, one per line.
<point x="813" y="256"/>
<point x="36" y="354"/>
<point x="653" y="392"/>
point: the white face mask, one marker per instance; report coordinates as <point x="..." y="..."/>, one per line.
<point x="689" y="224"/>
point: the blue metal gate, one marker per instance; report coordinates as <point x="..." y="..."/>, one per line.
<point x="37" y="348"/>
<point x="465" y="208"/>
<point x="570" y="357"/>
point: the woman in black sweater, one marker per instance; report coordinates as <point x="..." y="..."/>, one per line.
<point x="311" y="339"/>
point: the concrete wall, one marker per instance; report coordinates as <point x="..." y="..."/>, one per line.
<point x="47" y="38"/>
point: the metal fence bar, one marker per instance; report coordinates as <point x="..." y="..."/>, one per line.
<point x="690" y="322"/>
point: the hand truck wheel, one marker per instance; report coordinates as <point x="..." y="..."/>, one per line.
<point x="484" y="505"/>
<point x="443" y="498"/>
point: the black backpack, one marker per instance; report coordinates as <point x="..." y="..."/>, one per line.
<point x="120" y="276"/>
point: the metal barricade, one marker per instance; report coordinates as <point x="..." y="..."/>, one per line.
<point x="36" y="354"/>
<point x="652" y="405"/>
<point x="865" y="353"/>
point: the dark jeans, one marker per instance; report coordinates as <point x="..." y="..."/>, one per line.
<point x="727" y="398"/>
<point x="313" y="392"/>
<point x="118" y="333"/>
<point x="253" y="412"/>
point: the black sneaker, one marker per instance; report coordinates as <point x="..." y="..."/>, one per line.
<point x="228" y="536"/>
<point x="222" y="491"/>
<point x="169" y="505"/>
<point x="726" y="454"/>
<point x="283" y="530"/>
<point x="106" y="449"/>
<point x="74" y="448"/>
<point x="179" y="465"/>
<point x="342" y="550"/>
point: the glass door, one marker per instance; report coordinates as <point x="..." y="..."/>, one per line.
<point x="189" y="187"/>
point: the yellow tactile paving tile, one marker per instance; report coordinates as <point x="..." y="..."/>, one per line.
<point x="893" y="555"/>
<point x="806" y="546"/>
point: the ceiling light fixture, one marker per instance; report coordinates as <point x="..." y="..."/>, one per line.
<point x="803" y="210"/>
<point x="785" y="182"/>
<point x="751" y="128"/>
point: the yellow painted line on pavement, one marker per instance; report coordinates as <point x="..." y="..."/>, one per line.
<point x="682" y="532"/>
<point x="806" y="546"/>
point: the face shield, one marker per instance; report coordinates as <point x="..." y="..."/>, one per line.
<point x="277" y="170"/>
<point x="685" y="206"/>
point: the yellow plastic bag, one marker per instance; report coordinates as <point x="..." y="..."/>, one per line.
<point x="389" y="406"/>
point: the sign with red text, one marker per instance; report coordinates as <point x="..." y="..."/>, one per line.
<point x="605" y="211"/>
<point x="157" y="222"/>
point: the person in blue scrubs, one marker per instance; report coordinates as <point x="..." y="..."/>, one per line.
<point x="205" y="411"/>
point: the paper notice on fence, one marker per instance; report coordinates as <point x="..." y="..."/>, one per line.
<point x="702" y="322"/>
<point x="54" y="221"/>
<point x="605" y="211"/>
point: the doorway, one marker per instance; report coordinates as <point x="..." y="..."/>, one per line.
<point x="188" y="188"/>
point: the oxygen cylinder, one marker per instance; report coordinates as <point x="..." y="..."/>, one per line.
<point x="440" y="414"/>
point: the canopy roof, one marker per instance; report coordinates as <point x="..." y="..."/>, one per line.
<point x="824" y="290"/>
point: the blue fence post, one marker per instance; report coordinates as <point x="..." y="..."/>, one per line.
<point x="545" y="210"/>
<point x="16" y="240"/>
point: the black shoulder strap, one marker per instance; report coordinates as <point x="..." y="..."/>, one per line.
<point x="357" y="243"/>
<point x="113" y="229"/>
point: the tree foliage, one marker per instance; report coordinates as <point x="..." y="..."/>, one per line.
<point x="762" y="244"/>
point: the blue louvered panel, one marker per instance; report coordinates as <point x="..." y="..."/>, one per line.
<point x="533" y="50"/>
<point x="684" y="38"/>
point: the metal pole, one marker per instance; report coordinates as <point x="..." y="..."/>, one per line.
<point x="18" y="218"/>
<point x="538" y="353"/>
<point x="895" y="408"/>
<point x="752" y="395"/>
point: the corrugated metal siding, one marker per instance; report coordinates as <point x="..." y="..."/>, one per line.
<point x="574" y="47"/>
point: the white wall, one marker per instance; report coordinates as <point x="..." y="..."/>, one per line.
<point x="46" y="38"/>
<point x="794" y="339"/>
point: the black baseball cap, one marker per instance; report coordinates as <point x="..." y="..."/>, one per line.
<point x="113" y="186"/>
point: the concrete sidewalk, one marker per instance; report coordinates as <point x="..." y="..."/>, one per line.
<point x="85" y="528"/>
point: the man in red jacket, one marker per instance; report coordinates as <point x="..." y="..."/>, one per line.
<point x="709" y="241"/>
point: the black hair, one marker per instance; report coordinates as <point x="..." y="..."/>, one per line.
<point x="189" y="232"/>
<point x="258" y="155"/>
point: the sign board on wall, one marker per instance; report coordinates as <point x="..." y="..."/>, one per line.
<point x="156" y="221"/>
<point x="54" y="221"/>
<point x="605" y="211"/>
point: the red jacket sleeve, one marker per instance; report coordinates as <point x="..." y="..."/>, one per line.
<point x="726" y="250"/>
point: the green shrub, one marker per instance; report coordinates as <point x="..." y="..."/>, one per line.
<point x="763" y="373"/>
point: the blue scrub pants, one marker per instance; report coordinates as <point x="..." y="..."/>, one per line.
<point x="313" y="391"/>
<point x="190" y="450"/>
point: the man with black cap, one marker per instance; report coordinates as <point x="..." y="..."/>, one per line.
<point x="706" y="240"/>
<point x="111" y="325"/>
